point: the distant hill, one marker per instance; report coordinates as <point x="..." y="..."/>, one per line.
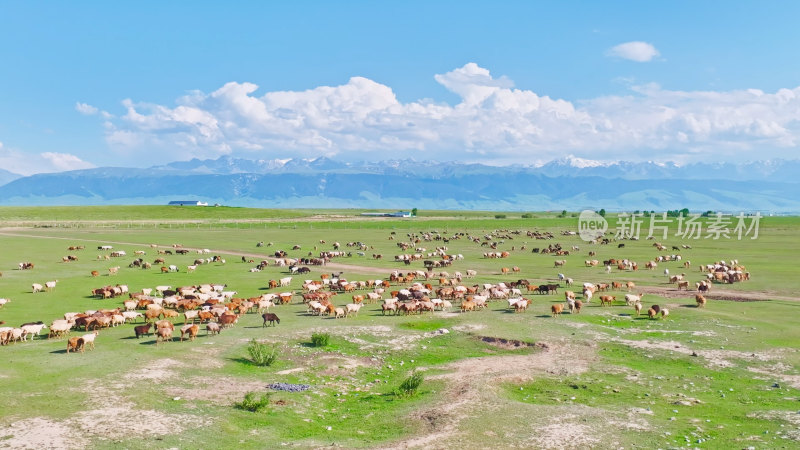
<point x="771" y="170"/>
<point x="7" y="177"/>
<point x="568" y="183"/>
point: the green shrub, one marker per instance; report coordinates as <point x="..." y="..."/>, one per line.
<point x="499" y="216"/>
<point x="250" y="403"/>
<point x="409" y="386"/>
<point x="320" y="339"/>
<point x="527" y="216"/>
<point x="262" y="354"/>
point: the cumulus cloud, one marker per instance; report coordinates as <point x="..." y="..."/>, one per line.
<point x="473" y="83"/>
<point x="64" y="161"/>
<point x="494" y="122"/>
<point x="89" y="110"/>
<point x="24" y="163"/>
<point x="85" y="108"/>
<point x="635" y="51"/>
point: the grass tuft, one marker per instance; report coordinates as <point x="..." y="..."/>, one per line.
<point x="320" y="339"/>
<point x="262" y="354"/>
<point x="252" y="404"/>
<point x="410" y="386"/>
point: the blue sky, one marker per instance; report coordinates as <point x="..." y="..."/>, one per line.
<point x="87" y="84"/>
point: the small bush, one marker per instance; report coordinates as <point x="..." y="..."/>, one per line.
<point x="527" y="216"/>
<point x="250" y="403"/>
<point x="320" y="339"/>
<point x="499" y="216"/>
<point x="262" y="354"/>
<point x="409" y="386"/>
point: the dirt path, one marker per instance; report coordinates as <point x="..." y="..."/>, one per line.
<point x="472" y="384"/>
<point x="714" y="294"/>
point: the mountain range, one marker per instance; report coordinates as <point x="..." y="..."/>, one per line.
<point x="567" y="183"/>
<point x="7" y="177"/>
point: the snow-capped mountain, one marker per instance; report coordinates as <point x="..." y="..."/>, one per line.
<point x="567" y="183"/>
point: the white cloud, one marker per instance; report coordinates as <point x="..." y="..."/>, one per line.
<point x="89" y="110"/>
<point x="25" y="163"/>
<point x="635" y="51"/>
<point x="85" y="108"/>
<point x="64" y="161"/>
<point x="473" y="83"/>
<point x="493" y="123"/>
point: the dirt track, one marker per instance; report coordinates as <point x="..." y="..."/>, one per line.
<point x="714" y="294"/>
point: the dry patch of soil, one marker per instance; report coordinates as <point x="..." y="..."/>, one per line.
<point x="158" y="370"/>
<point x="792" y="417"/>
<point x="715" y="358"/>
<point x="114" y="416"/>
<point x="217" y="390"/>
<point x="510" y="344"/>
<point x="714" y="294"/>
<point x="778" y="371"/>
<point x="392" y="338"/>
<point x="472" y="384"/>
<point x="567" y="426"/>
<point x="122" y="420"/>
<point x="342" y="365"/>
<point x="40" y="433"/>
<point x="106" y="414"/>
<point x="565" y="433"/>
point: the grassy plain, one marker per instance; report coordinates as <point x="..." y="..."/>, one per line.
<point x="635" y="381"/>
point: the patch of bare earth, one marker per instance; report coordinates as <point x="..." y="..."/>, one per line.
<point x="509" y="344"/>
<point x="714" y="358"/>
<point x="40" y="433"/>
<point x="469" y="327"/>
<point x="113" y="416"/>
<point x="778" y="371"/>
<point x="565" y="432"/>
<point x="342" y="365"/>
<point x="158" y="370"/>
<point x="714" y="294"/>
<point x="123" y="420"/>
<point x="791" y="417"/>
<point x="388" y="337"/>
<point x="471" y="390"/>
<point x="218" y="390"/>
<point x="228" y="390"/>
<point x="107" y="414"/>
<point x="575" y="426"/>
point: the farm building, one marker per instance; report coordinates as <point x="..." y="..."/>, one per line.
<point x="188" y="203"/>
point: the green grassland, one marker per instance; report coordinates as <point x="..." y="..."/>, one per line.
<point x="635" y="381"/>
